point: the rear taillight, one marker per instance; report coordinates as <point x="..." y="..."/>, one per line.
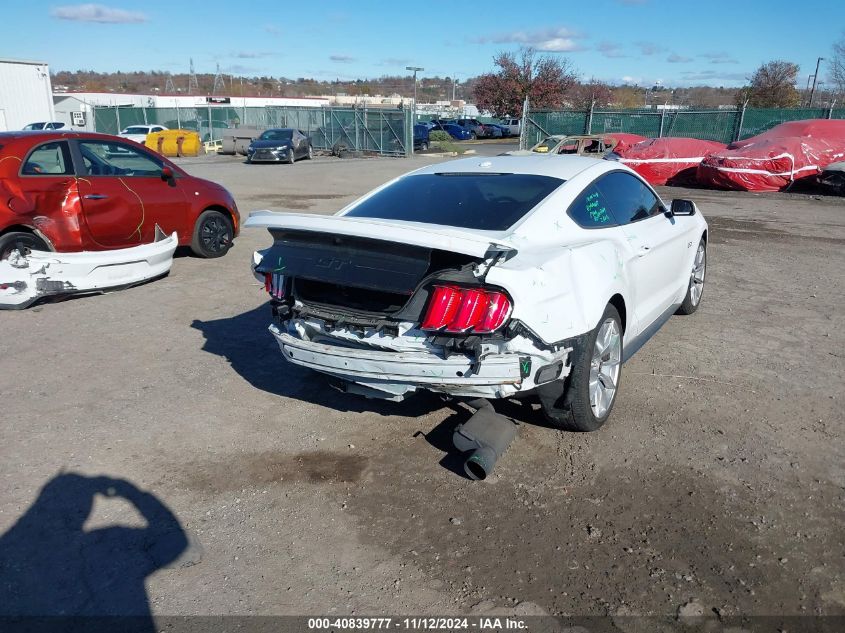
<point x="274" y="284"/>
<point x="455" y="309"/>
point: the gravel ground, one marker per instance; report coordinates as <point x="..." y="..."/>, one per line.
<point x="718" y="483"/>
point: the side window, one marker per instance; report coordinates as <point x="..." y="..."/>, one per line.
<point x="629" y="198"/>
<point x="590" y="209"/>
<point x="49" y="159"/>
<point x="116" y="159"/>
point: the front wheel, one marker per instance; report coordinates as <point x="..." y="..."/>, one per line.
<point x="22" y="242"/>
<point x="291" y="156"/>
<point x="473" y="136"/>
<point x="213" y="234"/>
<point x="594" y="381"/>
<point x="696" y="281"/>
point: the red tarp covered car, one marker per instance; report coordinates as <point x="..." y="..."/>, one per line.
<point x="668" y="160"/>
<point x="773" y="160"/>
<point x="624" y="140"/>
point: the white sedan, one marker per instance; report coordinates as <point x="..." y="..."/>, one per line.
<point x="486" y="278"/>
<point x="138" y="133"/>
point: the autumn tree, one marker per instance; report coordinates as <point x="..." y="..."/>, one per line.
<point x="592" y="93"/>
<point x="837" y="66"/>
<point x="772" y="86"/>
<point x="544" y="79"/>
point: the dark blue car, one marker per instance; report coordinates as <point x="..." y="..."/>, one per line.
<point x="421" y="137"/>
<point x="457" y="132"/>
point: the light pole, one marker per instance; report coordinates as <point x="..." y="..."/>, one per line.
<point x="415" y="69"/>
<point x="815" y="77"/>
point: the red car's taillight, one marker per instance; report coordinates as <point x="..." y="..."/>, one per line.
<point x="274" y="284"/>
<point x="455" y="309"/>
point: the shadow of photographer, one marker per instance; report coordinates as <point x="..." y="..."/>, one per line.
<point x="55" y="575"/>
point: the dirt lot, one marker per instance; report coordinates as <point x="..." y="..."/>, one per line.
<point x="719" y="478"/>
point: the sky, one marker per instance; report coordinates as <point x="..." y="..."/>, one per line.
<point x="674" y="42"/>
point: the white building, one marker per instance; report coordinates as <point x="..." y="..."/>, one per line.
<point x="26" y="95"/>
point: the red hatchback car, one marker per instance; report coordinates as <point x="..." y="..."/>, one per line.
<point x="76" y="191"/>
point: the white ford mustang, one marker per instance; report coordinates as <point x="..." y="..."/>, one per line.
<point x="486" y="278"/>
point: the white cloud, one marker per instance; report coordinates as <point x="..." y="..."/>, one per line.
<point x="553" y="40"/>
<point x="674" y="58"/>
<point x="649" y="48"/>
<point x="251" y="54"/>
<point x="342" y="59"/>
<point x="610" y="49"/>
<point x="97" y="13"/>
<point x="719" y="57"/>
<point x="712" y="75"/>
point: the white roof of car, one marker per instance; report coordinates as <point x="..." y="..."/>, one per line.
<point x="563" y="167"/>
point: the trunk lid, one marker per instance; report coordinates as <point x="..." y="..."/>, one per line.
<point x="445" y="238"/>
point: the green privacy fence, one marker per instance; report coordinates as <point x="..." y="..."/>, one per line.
<point x="380" y="131"/>
<point x="714" y="125"/>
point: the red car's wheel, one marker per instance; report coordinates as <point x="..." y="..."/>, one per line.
<point x="213" y="234"/>
<point x="23" y="242"/>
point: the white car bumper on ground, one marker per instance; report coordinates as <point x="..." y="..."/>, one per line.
<point x="26" y="278"/>
<point x="394" y="374"/>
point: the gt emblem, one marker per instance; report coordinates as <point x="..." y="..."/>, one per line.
<point x="332" y="263"/>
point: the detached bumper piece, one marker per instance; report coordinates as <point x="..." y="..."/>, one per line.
<point x="24" y="279"/>
<point x="394" y="374"/>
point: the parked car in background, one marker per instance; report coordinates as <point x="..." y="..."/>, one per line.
<point x="45" y="125"/>
<point x="475" y="126"/>
<point x="421" y="137"/>
<point x="514" y="126"/>
<point x="591" y="145"/>
<point x="454" y="130"/>
<point x="498" y="131"/>
<point x="78" y="191"/>
<point x="138" y="133"/>
<point x="279" y="145"/>
<point x="491" y="130"/>
<point x="529" y="276"/>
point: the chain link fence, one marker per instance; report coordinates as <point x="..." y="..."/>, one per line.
<point x="724" y="126"/>
<point x="380" y="131"/>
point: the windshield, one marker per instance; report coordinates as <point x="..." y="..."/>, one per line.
<point x="136" y="129"/>
<point x="546" y="145"/>
<point x="488" y="202"/>
<point x="276" y="135"/>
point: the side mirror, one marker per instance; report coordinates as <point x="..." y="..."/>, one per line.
<point x="683" y="207"/>
<point x="167" y="174"/>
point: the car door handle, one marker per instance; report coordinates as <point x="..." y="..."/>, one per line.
<point x="95" y="196"/>
<point x="643" y="251"/>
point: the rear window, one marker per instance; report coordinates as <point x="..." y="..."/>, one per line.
<point x="488" y="202"/>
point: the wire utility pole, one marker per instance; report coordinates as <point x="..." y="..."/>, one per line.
<point x="415" y="69"/>
<point x="815" y="77"/>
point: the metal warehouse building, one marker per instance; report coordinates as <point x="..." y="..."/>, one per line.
<point x="26" y="94"/>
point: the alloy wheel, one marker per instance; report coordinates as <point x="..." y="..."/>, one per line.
<point x="699" y="268"/>
<point x="605" y="367"/>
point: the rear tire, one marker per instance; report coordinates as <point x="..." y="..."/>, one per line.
<point x="213" y="234"/>
<point x="310" y="154"/>
<point x="593" y="384"/>
<point x="24" y="242"/>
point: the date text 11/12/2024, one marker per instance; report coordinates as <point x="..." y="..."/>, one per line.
<point x="489" y="624"/>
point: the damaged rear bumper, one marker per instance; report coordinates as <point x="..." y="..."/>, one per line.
<point x="24" y="279"/>
<point x="393" y="375"/>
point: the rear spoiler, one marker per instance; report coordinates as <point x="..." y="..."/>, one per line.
<point x="435" y="236"/>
